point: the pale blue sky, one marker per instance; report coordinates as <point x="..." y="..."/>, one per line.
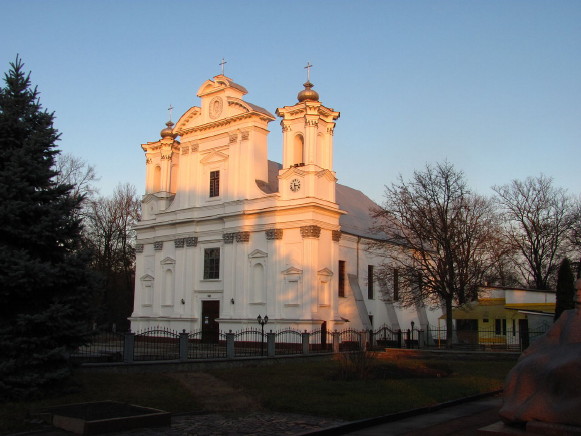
<point x="492" y="86"/>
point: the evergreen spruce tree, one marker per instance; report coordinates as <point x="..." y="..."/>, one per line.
<point x="45" y="287"/>
<point x="565" y="288"/>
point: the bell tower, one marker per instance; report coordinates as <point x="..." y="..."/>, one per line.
<point x="307" y="129"/>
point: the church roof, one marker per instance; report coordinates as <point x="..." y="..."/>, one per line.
<point x="260" y="109"/>
<point x="357" y="221"/>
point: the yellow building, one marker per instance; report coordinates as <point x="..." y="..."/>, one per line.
<point x="505" y="316"/>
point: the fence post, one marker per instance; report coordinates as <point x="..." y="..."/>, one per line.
<point x="270" y="344"/>
<point x="336" y="335"/>
<point x="420" y="338"/>
<point x="230" y="352"/>
<point x="305" y="337"/>
<point x="183" y="346"/>
<point x="128" y="347"/>
<point x="398" y="338"/>
<point x="371" y="345"/>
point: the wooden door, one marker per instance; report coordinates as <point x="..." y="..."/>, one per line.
<point x="210" y="327"/>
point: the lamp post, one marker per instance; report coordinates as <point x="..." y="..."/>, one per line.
<point x="262" y="321"/>
<point x="412" y="339"/>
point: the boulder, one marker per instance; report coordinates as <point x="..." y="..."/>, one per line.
<point x="545" y="384"/>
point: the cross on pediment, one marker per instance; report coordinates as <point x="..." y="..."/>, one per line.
<point x="222" y="65"/>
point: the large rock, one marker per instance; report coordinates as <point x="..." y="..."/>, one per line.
<point x="545" y="384"/>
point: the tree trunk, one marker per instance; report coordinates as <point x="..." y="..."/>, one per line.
<point x="449" y="323"/>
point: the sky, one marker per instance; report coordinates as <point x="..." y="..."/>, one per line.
<point x="492" y="86"/>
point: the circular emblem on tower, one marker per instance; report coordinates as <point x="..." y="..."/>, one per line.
<point x="215" y="107"/>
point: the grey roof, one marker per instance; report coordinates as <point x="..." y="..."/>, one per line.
<point x="260" y="109"/>
<point x="356" y="221"/>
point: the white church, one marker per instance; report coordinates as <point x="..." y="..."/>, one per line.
<point x="227" y="235"/>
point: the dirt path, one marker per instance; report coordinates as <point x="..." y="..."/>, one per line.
<point x="215" y="394"/>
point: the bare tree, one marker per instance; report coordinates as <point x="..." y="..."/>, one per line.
<point x="109" y="232"/>
<point x="438" y="235"/>
<point x="73" y="170"/>
<point x="537" y="219"/>
<point x="575" y="235"/>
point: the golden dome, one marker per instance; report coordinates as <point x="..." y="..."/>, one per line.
<point x="308" y="93"/>
<point x="168" y="131"/>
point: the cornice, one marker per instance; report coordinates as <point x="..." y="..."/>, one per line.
<point x="223" y="122"/>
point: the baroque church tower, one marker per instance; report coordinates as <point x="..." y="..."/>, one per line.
<point x="227" y="235"/>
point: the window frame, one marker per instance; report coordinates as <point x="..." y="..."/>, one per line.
<point x="211" y="270"/>
<point x="214" y="190"/>
<point x="341" y="275"/>
<point x="370" y="287"/>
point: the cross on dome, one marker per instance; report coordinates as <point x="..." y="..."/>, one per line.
<point x="308" y="68"/>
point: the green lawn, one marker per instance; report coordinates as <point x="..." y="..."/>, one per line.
<point x="150" y="390"/>
<point x="314" y="388"/>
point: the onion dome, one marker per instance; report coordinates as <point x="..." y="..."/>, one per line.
<point x="168" y="131"/>
<point x="308" y="93"/>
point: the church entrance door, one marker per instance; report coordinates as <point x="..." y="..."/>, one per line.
<point x="210" y="327"/>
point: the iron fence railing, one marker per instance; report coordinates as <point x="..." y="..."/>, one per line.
<point x="201" y="348"/>
<point x="104" y="347"/>
<point x="156" y="344"/>
<point x="159" y="344"/>
<point x="320" y="341"/>
<point x="351" y="340"/>
<point x="250" y="342"/>
<point x="288" y="341"/>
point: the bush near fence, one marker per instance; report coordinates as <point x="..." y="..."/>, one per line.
<point x="158" y="344"/>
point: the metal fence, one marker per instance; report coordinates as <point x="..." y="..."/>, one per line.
<point x="158" y="344"/>
<point x="320" y="341"/>
<point x="250" y="342"/>
<point x="484" y="339"/>
<point x="104" y="347"/>
<point x="288" y="341"/>
<point x="201" y="348"/>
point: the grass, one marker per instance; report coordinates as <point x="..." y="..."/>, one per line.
<point x="150" y="390"/>
<point x="394" y="385"/>
<point x="320" y="388"/>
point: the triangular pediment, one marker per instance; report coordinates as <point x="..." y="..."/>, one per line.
<point x="257" y="254"/>
<point x="290" y="172"/>
<point x="327" y="174"/>
<point x="216" y="156"/>
<point x="325" y="272"/>
<point x="147" y="278"/>
<point x="292" y="270"/>
<point x="168" y="261"/>
<point x="148" y="198"/>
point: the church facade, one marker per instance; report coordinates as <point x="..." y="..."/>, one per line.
<point x="227" y="235"/>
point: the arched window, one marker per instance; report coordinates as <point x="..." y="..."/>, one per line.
<point x="298" y="150"/>
<point x="157" y="179"/>
<point x="174" y="179"/>
<point x="168" y="288"/>
<point x="258" y="283"/>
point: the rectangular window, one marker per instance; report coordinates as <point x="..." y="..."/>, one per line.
<point x="211" y="263"/>
<point x="214" y="183"/>
<point x="341" y="278"/>
<point x="370" y="282"/>
<point x="395" y="284"/>
<point x="500" y="327"/>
